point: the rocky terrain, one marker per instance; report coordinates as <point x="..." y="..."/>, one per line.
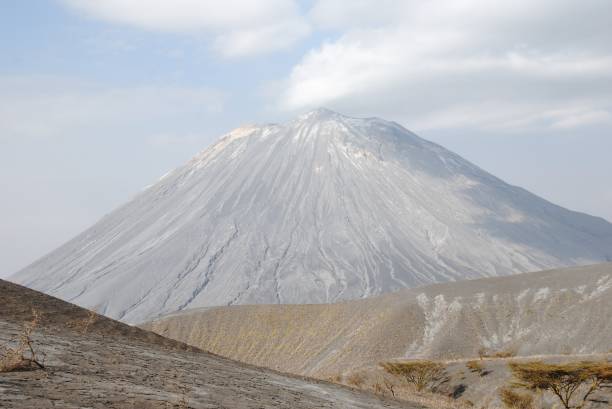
<point x="320" y="209"/>
<point x="107" y="364"/>
<point x="557" y="312"/>
<point x="474" y="382"/>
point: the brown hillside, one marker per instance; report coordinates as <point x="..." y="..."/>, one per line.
<point x="107" y="364"/>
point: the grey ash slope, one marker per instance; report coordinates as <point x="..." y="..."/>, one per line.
<point x="113" y="365"/>
<point x="320" y="209"/>
<point x="557" y="312"/>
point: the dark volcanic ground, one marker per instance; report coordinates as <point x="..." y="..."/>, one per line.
<point x="113" y="365"/>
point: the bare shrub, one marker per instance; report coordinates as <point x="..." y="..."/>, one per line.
<point x="82" y="326"/>
<point x="572" y="383"/>
<point x="355" y="379"/>
<point x="24" y="355"/>
<point x="384" y="386"/>
<point x="378" y="389"/>
<point x="475" y="367"/>
<point x="514" y="400"/>
<point x="421" y="374"/>
<point x="389" y="385"/>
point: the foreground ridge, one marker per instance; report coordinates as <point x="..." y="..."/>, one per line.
<point x="112" y="365"/>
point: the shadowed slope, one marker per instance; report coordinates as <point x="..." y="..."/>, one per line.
<point x="551" y="312"/>
<point x="113" y="365"/>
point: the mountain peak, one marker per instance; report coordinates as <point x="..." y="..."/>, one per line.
<point x="310" y="212"/>
<point x="320" y="113"/>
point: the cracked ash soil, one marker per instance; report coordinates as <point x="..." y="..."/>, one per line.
<point x="113" y="365"/>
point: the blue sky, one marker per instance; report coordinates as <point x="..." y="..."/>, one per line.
<point x="100" y="98"/>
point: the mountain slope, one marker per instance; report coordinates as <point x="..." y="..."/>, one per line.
<point x="564" y="311"/>
<point x="320" y="209"/>
<point x="113" y="365"/>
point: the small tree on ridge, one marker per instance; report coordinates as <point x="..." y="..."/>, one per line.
<point x="420" y="373"/>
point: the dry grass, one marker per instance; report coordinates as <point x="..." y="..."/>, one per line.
<point x="407" y="393"/>
<point x="514" y="400"/>
<point x="23" y="356"/>
<point x="475" y="367"/>
<point x="505" y="353"/>
<point x="357" y="380"/>
<point x="508" y="353"/>
<point x="82" y="326"/>
<point x="435" y="401"/>
<point x="391" y="383"/>
<point x="335" y="379"/>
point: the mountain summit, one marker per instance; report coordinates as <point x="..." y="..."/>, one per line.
<point x="320" y="209"/>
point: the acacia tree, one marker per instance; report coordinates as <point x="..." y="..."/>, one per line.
<point x="421" y="373"/>
<point x="572" y="383"/>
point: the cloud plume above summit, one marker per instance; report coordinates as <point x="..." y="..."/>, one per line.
<point x="468" y="63"/>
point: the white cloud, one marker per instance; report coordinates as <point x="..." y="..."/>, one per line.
<point x="472" y="63"/>
<point x="498" y="115"/>
<point x="257" y="40"/>
<point x="238" y="27"/>
<point x="41" y="107"/>
<point x="331" y="14"/>
<point x="580" y="118"/>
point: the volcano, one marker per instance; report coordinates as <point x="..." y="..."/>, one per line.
<point x="319" y="209"/>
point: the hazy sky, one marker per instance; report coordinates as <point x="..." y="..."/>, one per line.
<point x="98" y="98"/>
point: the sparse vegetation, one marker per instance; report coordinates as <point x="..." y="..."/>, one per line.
<point x="384" y="386"/>
<point x="507" y="353"/>
<point x="389" y="385"/>
<point x="475" y="367"/>
<point x="357" y="380"/>
<point x="514" y="400"/>
<point x="335" y="379"/>
<point x="82" y="326"/>
<point x="572" y="383"/>
<point x="422" y="374"/>
<point x="486" y="353"/>
<point x="378" y="389"/>
<point x="23" y="356"/>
